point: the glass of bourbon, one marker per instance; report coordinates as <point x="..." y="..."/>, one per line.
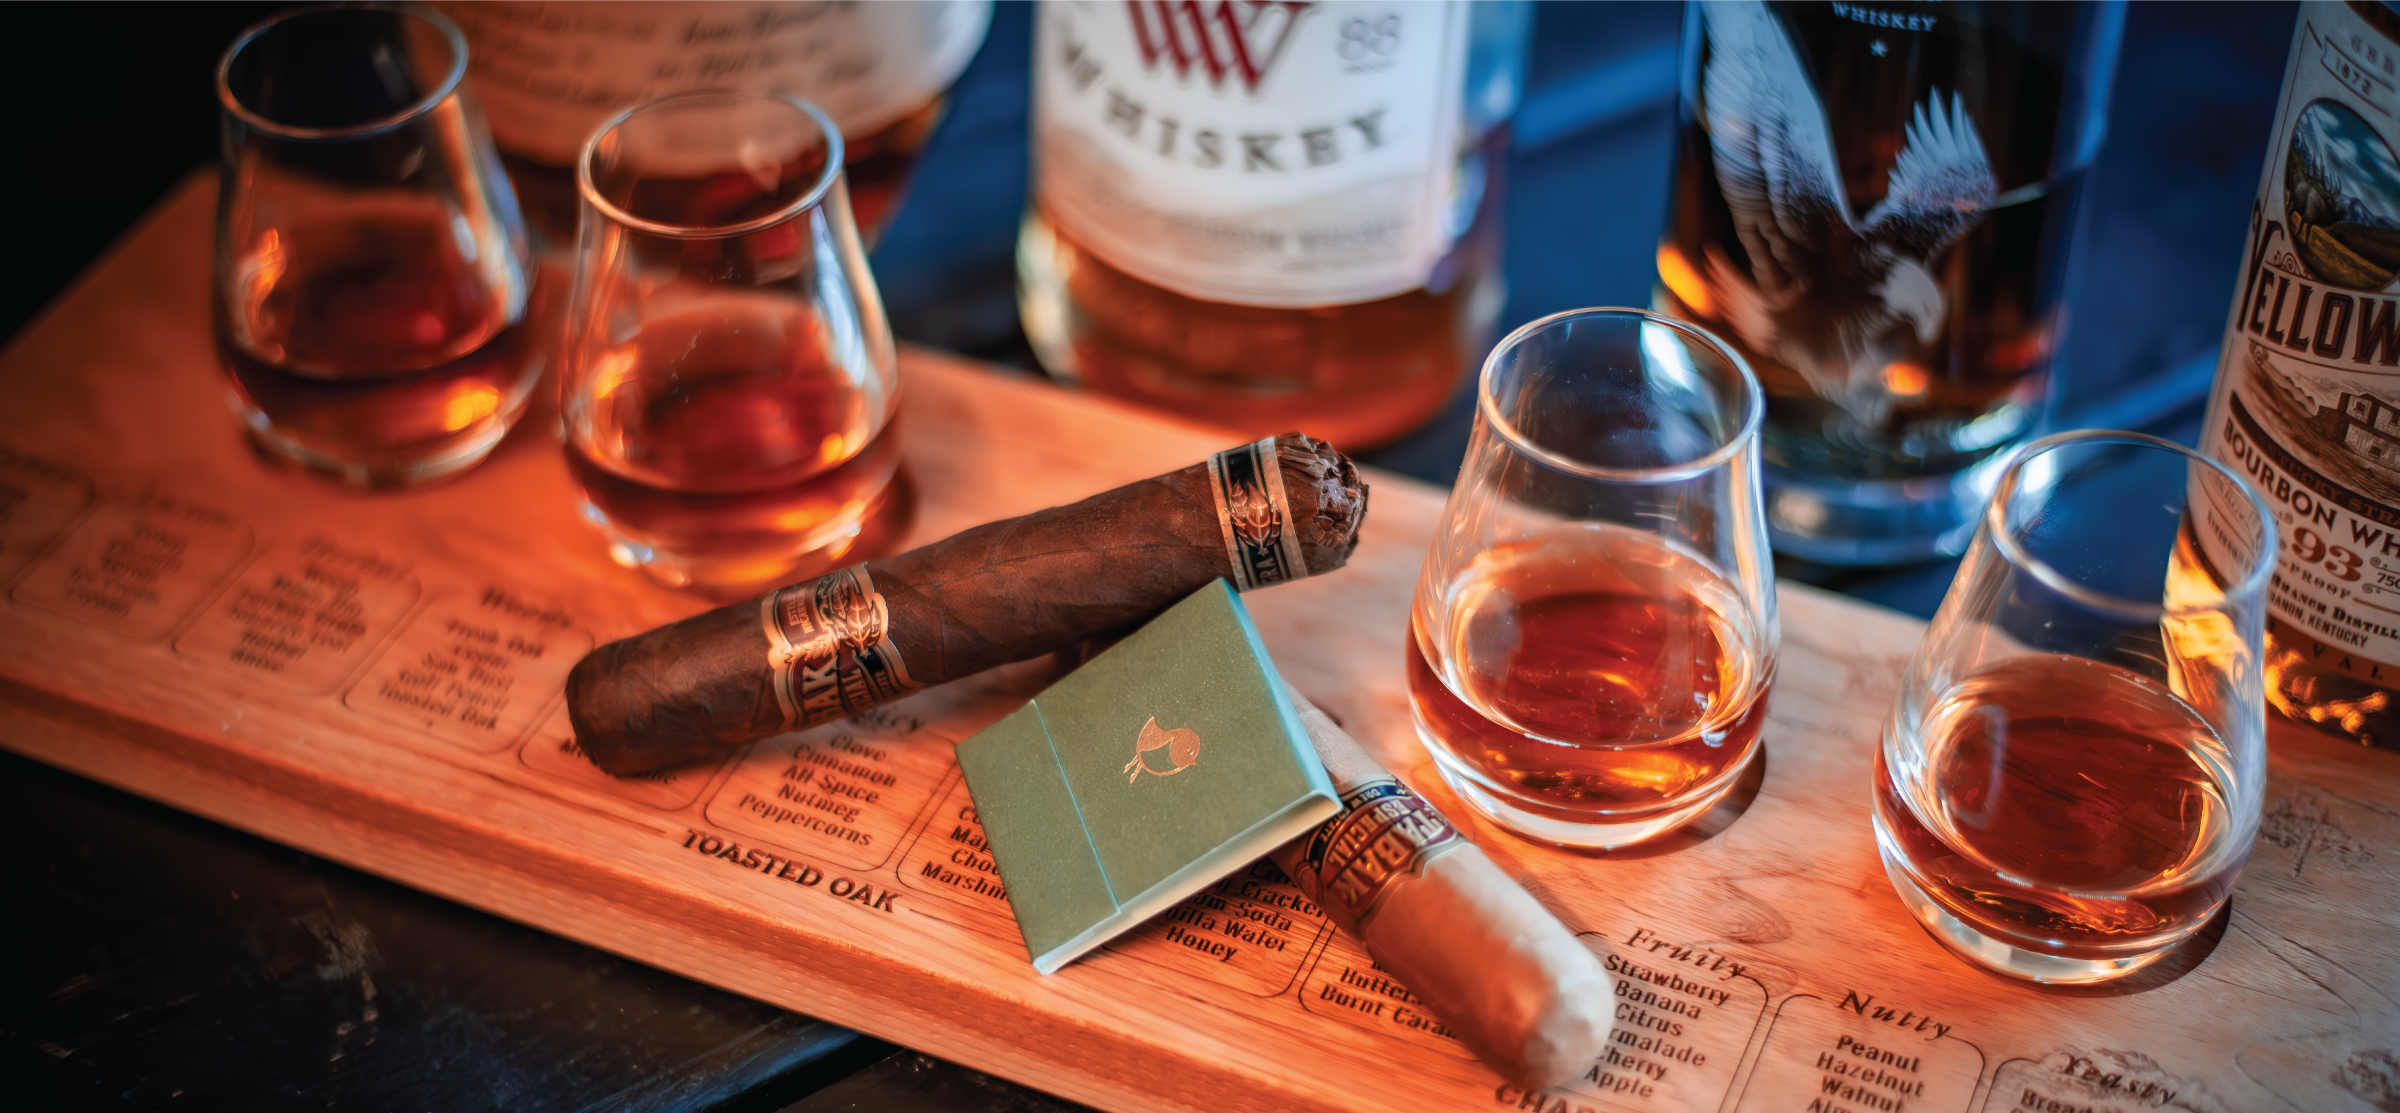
<point x="2071" y="776"/>
<point x="375" y="303"/>
<point x="1594" y="636"/>
<point x="729" y="384"/>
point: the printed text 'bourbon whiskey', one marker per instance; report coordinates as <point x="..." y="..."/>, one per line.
<point x="2307" y="399"/>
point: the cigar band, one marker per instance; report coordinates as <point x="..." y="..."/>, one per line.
<point x="830" y="648"/>
<point x="1383" y="833"/>
<point x="1256" y="516"/>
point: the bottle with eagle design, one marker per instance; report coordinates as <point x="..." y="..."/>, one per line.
<point x="1875" y="202"/>
<point x="2305" y="402"/>
<point x="1269" y="215"/>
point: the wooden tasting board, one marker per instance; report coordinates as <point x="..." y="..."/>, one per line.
<point x="375" y="678"/>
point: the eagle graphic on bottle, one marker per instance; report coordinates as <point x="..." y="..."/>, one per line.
<point x="1835" y="296"/>
<point x="2341" y="226"/>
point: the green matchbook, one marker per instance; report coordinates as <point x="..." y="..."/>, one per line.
<point x="1162" y="765"/>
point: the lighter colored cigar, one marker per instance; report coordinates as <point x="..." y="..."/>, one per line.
<point x="1484" y="956"/>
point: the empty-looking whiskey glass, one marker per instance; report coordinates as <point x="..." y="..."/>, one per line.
<point x="729" y="382"/>
<point x="2071" y="777"/>
<point x="373" y="287"/>
<point x="1594" y="633"/>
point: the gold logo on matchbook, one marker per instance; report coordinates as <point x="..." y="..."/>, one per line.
<point x="1182" y="746"/>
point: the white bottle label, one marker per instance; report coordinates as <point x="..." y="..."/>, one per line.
<point x="2307" y="398"/>
<point x="1270" y="154"/>
<point x="548" y="74"/>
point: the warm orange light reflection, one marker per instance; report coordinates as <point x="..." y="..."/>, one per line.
<point x="1683" y="281"/>
<point x="2023" y="352"/>
<point x="614" y="369"/>
<point x="1660" y="775"/>
<point x="2347" y="715"/>
<point x="1904" y="378"/>
<point x="470" y="406"/>
<point x="260" y="270"/>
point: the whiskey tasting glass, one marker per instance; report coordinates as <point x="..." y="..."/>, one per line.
<point x="2071" y="776"/>
<point x="373" y="285"/>
<point x="1594" y="635"/>
<point x="729" y="382"/>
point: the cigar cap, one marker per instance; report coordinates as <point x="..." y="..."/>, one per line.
<point x="1329" y="498"/>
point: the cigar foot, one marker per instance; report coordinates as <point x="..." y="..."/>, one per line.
<point x="1474" y="943"/>
<point x="659" y="702"/>
<point x="1501" y="972"/>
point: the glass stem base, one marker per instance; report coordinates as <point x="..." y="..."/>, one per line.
<point x="1600" y="832"/>
<point x="446" y="460"/>
<point x="864" y="532"/>
<point x="1994" y="954"/>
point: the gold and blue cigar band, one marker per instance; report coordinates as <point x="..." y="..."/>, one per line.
<point x="1383" y="833"/>
<point x="829" y="644"/>
<point x="1256" y="516"/>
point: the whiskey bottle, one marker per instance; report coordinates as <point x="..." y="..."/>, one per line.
<point x="2304" y="402"/>
<point x="1269" y="216"/>
<point x="549" y="72"/>
<point x="1875" y="203"/>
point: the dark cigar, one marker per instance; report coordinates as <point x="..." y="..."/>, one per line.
<point x="1276" y="510"/>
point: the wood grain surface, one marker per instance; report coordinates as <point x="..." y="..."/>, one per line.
<point x="374" y="678"/>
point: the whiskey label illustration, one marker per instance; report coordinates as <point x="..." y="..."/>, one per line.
<point x="2307" y="402"/>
